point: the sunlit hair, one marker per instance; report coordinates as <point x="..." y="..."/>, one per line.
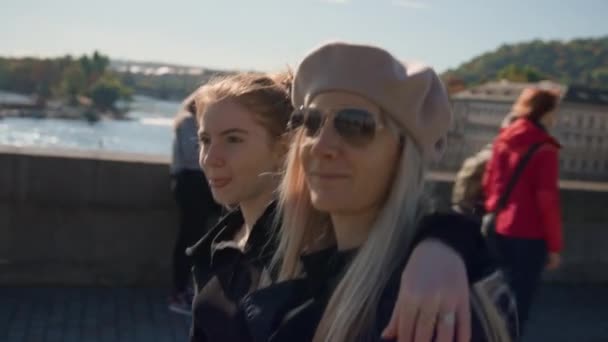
<point x="266" y="95"/>
<point x="353" y="302"/>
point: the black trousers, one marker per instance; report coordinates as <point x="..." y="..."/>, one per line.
<point x="523" y="261"/>
<point x="197" y="212"/>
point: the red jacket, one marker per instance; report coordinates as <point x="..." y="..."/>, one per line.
<point x="533" y="209"/>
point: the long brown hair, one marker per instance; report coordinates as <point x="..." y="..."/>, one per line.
<point x="534" y="103"/>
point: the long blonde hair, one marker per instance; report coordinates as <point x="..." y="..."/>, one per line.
<point x="355" y="298"/>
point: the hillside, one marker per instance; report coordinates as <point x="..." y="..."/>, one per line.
<point x="579" y="61"/>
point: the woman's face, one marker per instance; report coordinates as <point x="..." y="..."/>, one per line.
<point x="348" y="170"/>
<point x="549" y="119"/>
<point x="237" y="154"/>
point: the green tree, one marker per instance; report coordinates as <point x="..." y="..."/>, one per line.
<point x="21" y="75"/>
<point x="106" y="91"/>
<point x="99" y="63"/>
<point x="73" y="83"/>
<point x="4" y="74"/>
<point x="577" y="61"/>
<point x="600" y="76"/>
<point x="516" y="73"/>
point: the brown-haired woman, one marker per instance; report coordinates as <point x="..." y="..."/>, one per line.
<point x="195" y="203"/>
<point x="528" y="225"/>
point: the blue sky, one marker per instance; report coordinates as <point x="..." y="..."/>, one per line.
<point x="269" y="34"/>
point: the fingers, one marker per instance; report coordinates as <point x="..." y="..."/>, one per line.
<point x="553" y="262"/>
<point x="454" y="320"/>
<point x="463" y="320"/>
<point x="428" y="294"/>
<point x="426" y="321"/>
<point x="445" y="328"/>
<point x="414" y="320"/>
<point x="390" y="331"/>
<point x="407" y="319"/>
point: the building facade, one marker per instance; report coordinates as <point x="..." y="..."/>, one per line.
<point x="582" y="126"/>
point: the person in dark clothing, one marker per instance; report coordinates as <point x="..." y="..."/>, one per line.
<point x="528" y="228"/>
<point x="243" y="137"/>
<point x="197" y="209"/>
<point x="232" y="273"/>
<point x="353" y="211"/>
<point x="242" y="120"/>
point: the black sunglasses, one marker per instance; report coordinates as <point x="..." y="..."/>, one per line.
<point x="356" y="126"/>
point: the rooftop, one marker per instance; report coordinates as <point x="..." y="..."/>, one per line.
<point x="582" y="94"/>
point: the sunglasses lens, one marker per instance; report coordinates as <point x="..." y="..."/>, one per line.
<point x="296" y="120"/>
<point x="313" y="121"/>
<point x="356" y="126"/>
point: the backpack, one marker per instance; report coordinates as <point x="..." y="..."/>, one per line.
<point x="467" y="194"/>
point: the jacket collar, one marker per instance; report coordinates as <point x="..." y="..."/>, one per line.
<point x="523" y="133"/>
<point x="224" y="231"/>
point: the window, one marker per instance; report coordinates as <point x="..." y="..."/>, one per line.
<point x="580" y="121"/>
<point x="583" y="165"/>
<point x="572" y="164"/>
<point x="596" y="165"/>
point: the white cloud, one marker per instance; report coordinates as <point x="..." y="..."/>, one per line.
<point x="415" y="4"/>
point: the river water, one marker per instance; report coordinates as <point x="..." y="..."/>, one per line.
<point x="148" y="130"/>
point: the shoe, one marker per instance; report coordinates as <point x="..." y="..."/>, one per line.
<point x="179" y="303"/>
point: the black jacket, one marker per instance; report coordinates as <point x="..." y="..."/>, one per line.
<point x="224" y="274"/>
<point x="226" y="308"/>
<point x="290" y="311"/>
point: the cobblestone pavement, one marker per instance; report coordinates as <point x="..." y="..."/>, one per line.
<point x="569" y="314"/>
<point x="88" y="315"/>
<point x="562" y="313"/>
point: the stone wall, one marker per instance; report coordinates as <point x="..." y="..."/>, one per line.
<point x="82" y="218"/>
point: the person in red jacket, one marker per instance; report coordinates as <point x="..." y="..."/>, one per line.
<point x="528" y="227"/>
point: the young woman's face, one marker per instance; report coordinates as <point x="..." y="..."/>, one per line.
<point x="237" y="154"/>
<point x="350" y="160"/>
<point x="549" y="119"/>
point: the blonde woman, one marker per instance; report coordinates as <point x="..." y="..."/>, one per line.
<point x="352" y="202"/>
